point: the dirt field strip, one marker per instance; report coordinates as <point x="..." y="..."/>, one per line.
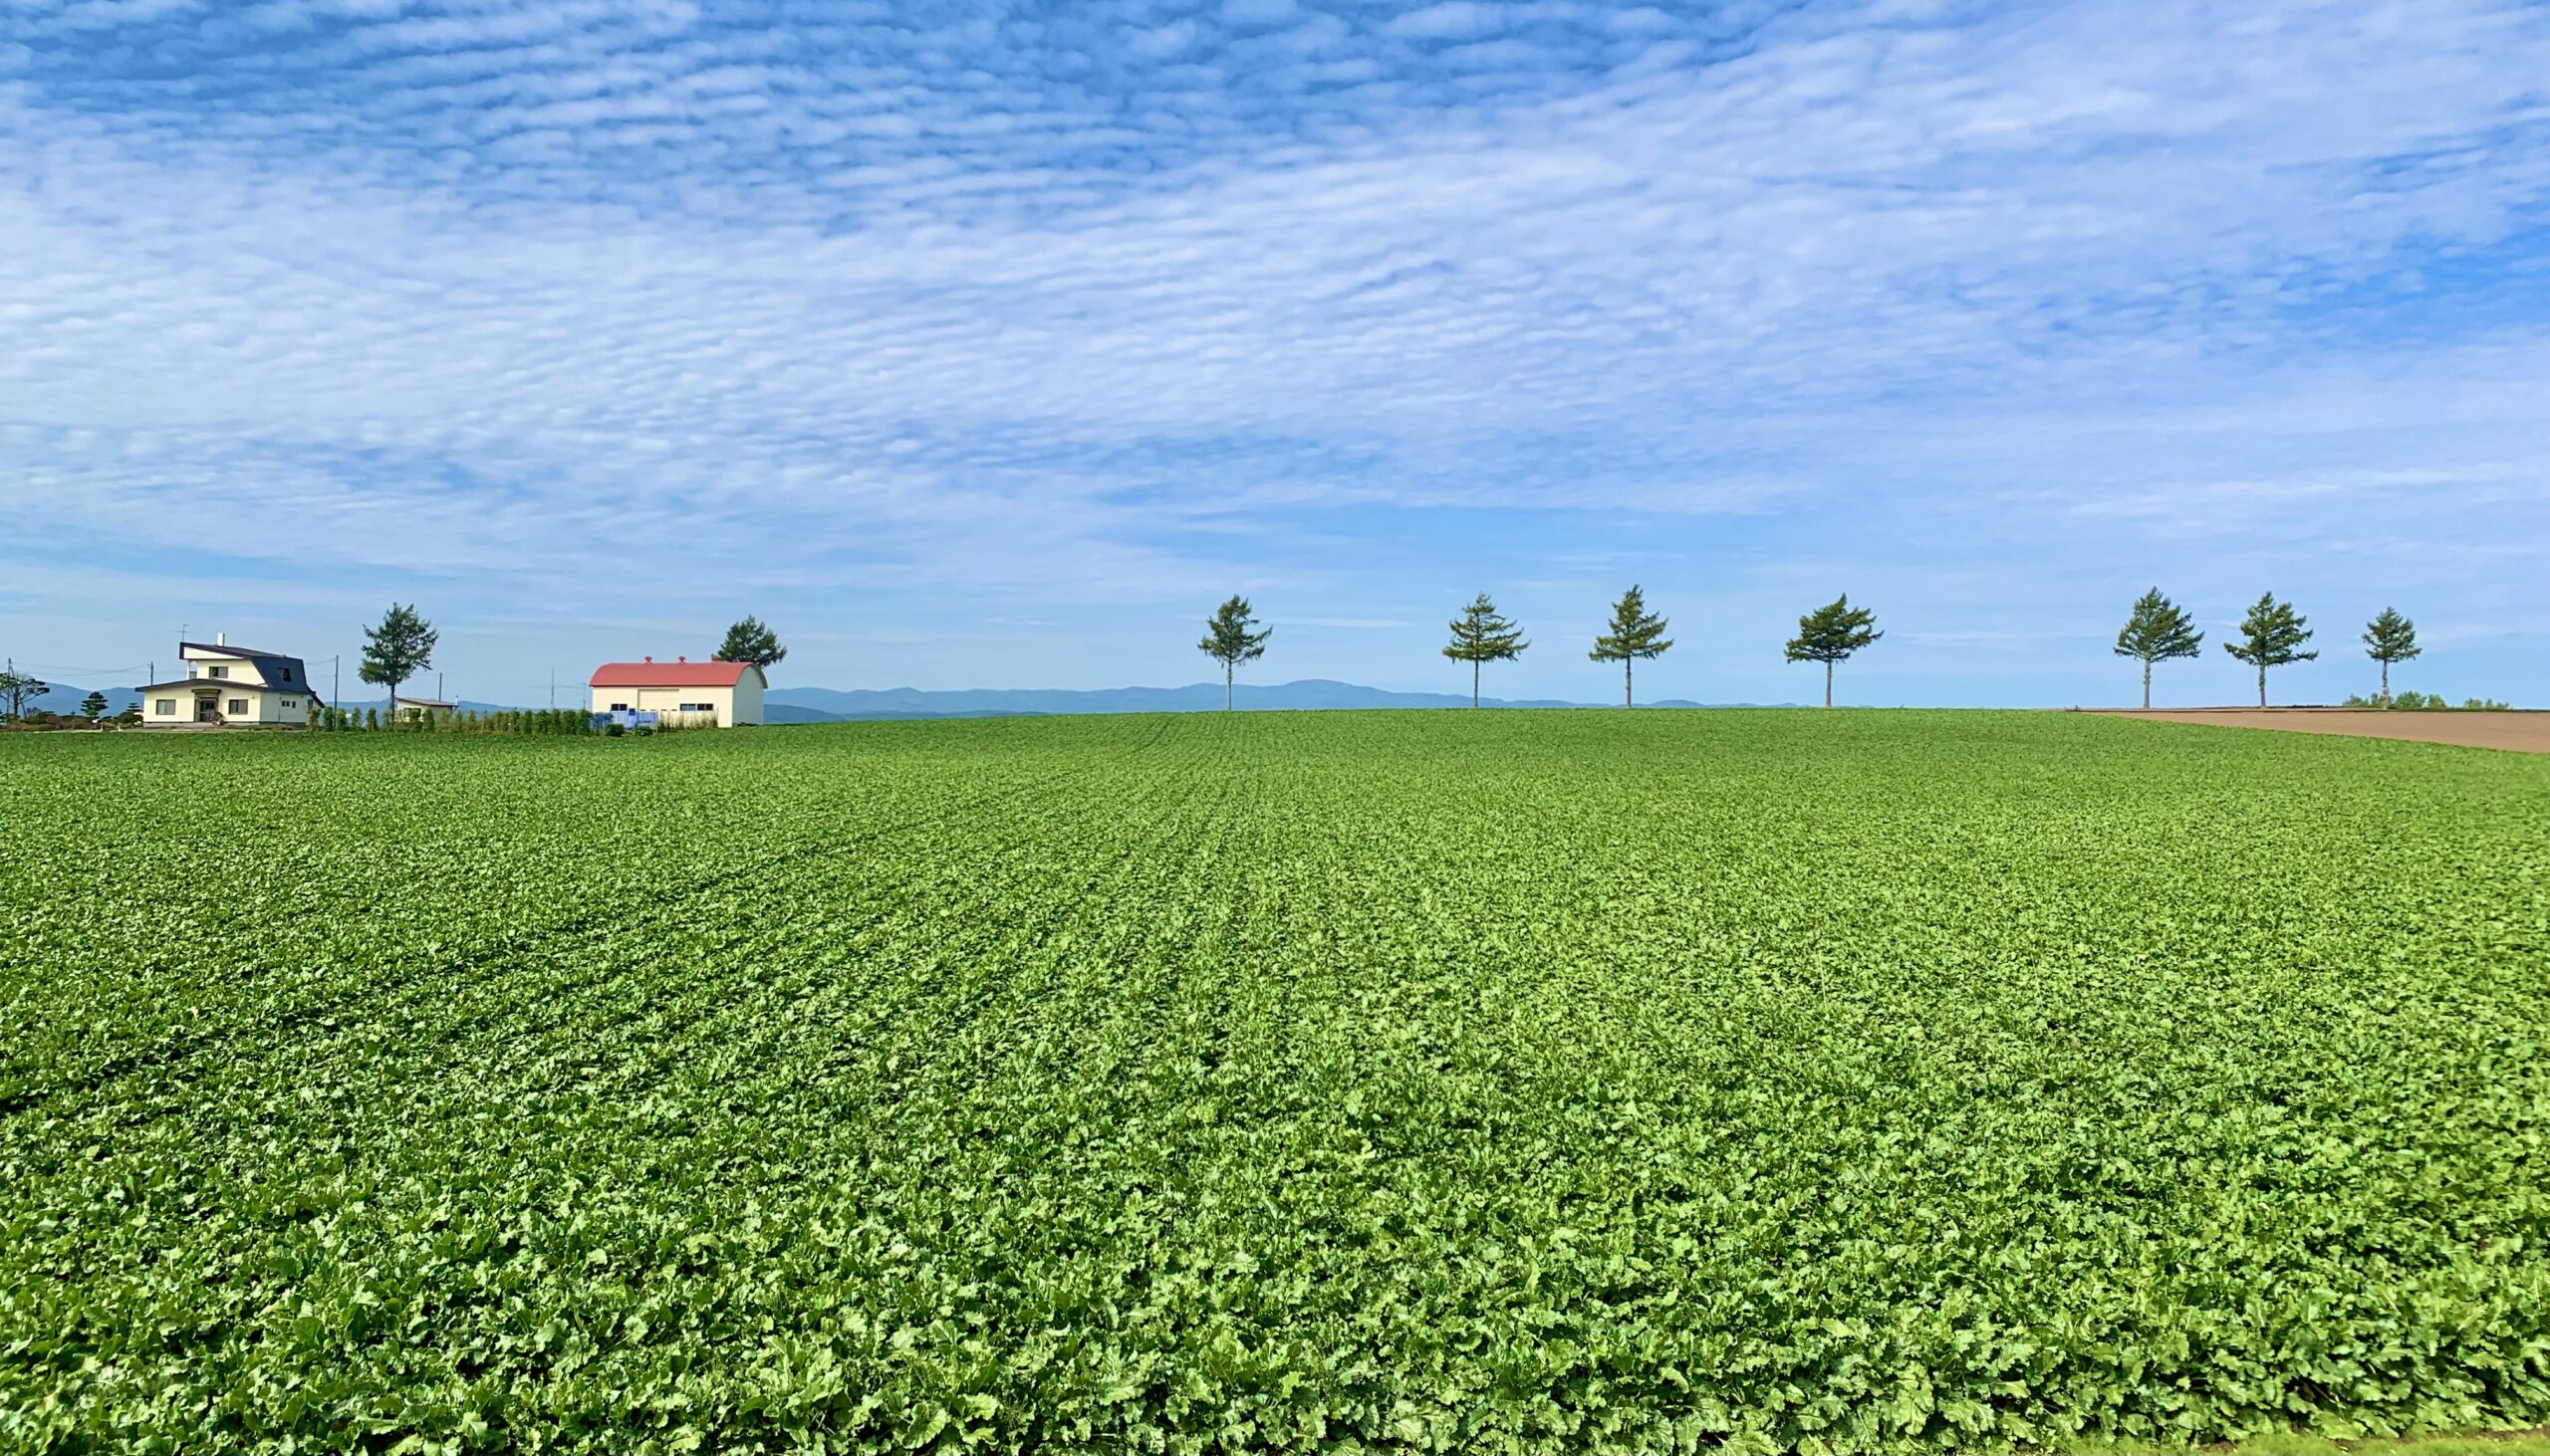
<point x="2521" y="731"/>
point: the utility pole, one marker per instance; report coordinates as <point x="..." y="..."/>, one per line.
<point x="553" y="688"/>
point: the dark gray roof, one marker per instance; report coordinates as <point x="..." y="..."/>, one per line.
<point x="298" y="673"/>
<point x="229" y="649"/>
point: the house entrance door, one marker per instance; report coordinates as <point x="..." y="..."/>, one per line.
<point x="207" y="708"/>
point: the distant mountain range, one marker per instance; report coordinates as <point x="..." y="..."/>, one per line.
<point x="863" y="705"/>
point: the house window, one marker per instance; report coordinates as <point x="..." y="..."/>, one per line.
<point x="697" y="708"/>
<point x="216" y="672"/>
<point x="165" y="707"/>
<point x="292" y="703"/>
<point x="620" y="707"/>
<point x="238" y="705"/>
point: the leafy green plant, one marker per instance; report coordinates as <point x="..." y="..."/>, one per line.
<point x="1381" y="1081"/>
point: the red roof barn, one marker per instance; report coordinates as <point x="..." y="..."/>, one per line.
<point x="727" y="693"/>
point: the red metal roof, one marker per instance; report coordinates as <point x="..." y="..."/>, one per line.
<point x="651" y="673"/>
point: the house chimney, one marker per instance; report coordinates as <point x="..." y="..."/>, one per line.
<point x="221" y="639"/>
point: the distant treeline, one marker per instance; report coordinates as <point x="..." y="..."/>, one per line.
<point x="2272" y="634"/>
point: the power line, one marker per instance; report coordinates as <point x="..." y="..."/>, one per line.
<point x="83" y="672"/>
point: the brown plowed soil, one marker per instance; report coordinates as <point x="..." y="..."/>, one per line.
<point x="2522" y="732"/>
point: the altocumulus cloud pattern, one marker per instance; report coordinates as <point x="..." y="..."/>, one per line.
<point x="1971" y="309"/>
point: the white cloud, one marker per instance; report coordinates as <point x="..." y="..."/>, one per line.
<point x="1259" y="11"/>
<point x="1164" y="40"/>
<point x="597" y="285"/>
<point x="1446" y="20"/>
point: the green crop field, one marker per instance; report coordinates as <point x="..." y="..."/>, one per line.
<point x="1497" y="1082"/>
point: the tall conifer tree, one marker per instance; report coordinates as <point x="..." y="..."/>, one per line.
<point x="1830" y="634"/>
<point x="1479" y="636"/>
<point x="398" y="650"/>
<point x="750" y="641"/>
<point x="2390" y="638"/>
<point x="1635" y="632"/>
<point x="2271" y="635"/>
<point x="1230" y="641"/>
<point x="2157" y="632"/>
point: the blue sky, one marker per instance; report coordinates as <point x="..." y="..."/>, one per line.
<point x="990" y="346"/>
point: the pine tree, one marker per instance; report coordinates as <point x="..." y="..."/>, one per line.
<point x="398" y="650"/>
<point x="2271" y="635"/>
<point x="1830" y="634"/>
<point x="749" y="641"/>
<point x="2390" y="638"/>
<point x="1229" y="640"/>
<point x="1635" y="632"/>
<point x="1480" y="636"/>
<point x="93" y="706"/>
<point x="2157" y="632"/>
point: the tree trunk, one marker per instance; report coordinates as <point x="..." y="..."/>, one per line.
<point x="1227" y="670"/>
<point x="1828" y="684"/>
<point x="2262" y="685"/>
<point x="1473" y="682"/>
<point x="2385" y="682"/>
<point x="2147" y="685"/>
<point x="1629" y="675"/>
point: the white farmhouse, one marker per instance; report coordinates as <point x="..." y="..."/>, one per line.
<point x="725" y="693"/>
<point x="230" y="687"/>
